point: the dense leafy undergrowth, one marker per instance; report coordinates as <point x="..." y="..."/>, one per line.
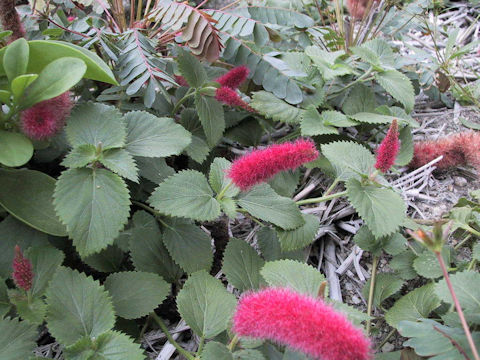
<point x="154" y="161"/>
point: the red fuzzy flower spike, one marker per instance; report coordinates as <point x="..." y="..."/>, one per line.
<point x="388" y="149"/>
<point x="45" y="119"/>
<point x="261" y="165"/>
<point x="300" y="322"/>
<point x="457" y="150"/>
<point x="230" y="97"/>
<point x="22" y="270"/>
<point x="234" y="78"/>
<point x="180" y="80"/>
<point x="358" y="8"/>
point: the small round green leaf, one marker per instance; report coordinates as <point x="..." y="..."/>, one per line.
<point x="56" y="78"/>
<point x="15" y="60"/>
<point x="28" y="195"/>
<point x="15" y="149"/>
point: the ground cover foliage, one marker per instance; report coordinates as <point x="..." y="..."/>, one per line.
<point x="132" y="201"/>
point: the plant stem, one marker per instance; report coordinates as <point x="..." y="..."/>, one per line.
<point x="457" y="306"/>
<point x="384" y="341"/>
<point x="331" y="187"/>
<point x="172" y="341"/>
<point x="200" y="346"/>
<point x="233" y="343"/>
<point x="321" y="199"/>
<point x="189" y="93"/>
<point x="370" y="292"/>
<point x="223" y="191"/>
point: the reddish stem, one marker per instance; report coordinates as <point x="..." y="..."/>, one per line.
<point x="457" y="305"/>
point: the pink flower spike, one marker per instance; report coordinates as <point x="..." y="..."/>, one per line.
<point x="45" y="119"/>
<point x="300" y="322"/>
<point x="180" y="80"/>
<point x="261" y="165"/>
<point x="388" y="149"/>
<point x="230" y="97"/>
<point x="234" y="78"/>
<point x="22" y="270"/>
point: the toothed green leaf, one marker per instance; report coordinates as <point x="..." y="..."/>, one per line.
<point x="78" y="306"/>
<point x="186" y="194"/>
<point x="94" y="204"/>
<point x="136" y="294"/>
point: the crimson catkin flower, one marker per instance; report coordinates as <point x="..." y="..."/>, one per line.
<point x="261" y="165"/>
<point x="180" y="80"/>
<point x="230" y="97"/>
<point x="22" y="270"/>
<point x="234" y="78"/>
<point x="10" y="20"/>
<point x="388" y="149"/>
<point x="300" y="322"/>
<point x="357" y="8"/>
<point x="45" y="119"/>
<point x="457" y="150"/>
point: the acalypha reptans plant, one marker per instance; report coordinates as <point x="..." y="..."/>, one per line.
<point x="163" y="165"/>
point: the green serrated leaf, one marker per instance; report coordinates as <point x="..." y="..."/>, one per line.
<point x="17" y="340"/>
<point x="32" y="311"/>
<point x="151" y="136"/>
<point x="313" y="123"/>
<point x="386" y="285"/>
<point x="28" y="195"/>
<point x="96" y="124"/>
<point x="80" y="156"/>
<point x="269" y="245"/>
<point x="216" y="351"/>
<point x="353" y="314"/>
<point x="360" y="99"/>
<point x="154" y="169"/>
<point x="264" y="203"/>
<point x="111" y="345"/>
<point x="121" y="162"/>
<point x="241" y="265"/>
<point x="426" y="264"/>
<point x="295" y="275"/>
<point x="466" y="285"/>
<point x="405" y="154"/>
<point x="218" y="177"/>
<point x="229" y="207"/>
<point x="147" y="250"/>
<point x="403" y="265"/>
<point x="399" y="86"/>
<point x="188" y="245"/>
<point x="93" y="199"/>
<point x="212" y="118"/>
<point x="78" y="306"/>
<point x="45" y="260"/>
<point x="349" y="159"/>
<point x="186" y="194"/>
<point x="434" y="340"/>
<point x="108" y="260"/>
<point x="382" y="209"/>
<point x="285" y="183"/>
<point x="274" y="108"/>
<point x="205" y="305"/>
<point x="418" y="303"/>
<point x="150" y="290"/>
<point x="248" y="354"/>
<point x="476" y="251"/>
<point x="192" y="69"/>
<point x="4" y="301"/>
<point x="300" y="237"/>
